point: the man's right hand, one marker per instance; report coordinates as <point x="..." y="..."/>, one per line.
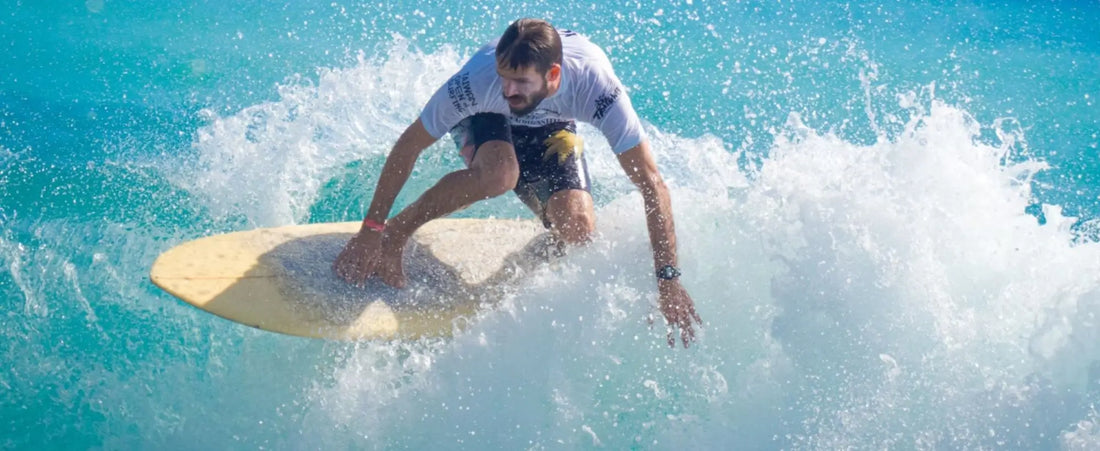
<point x="360" y="257"/>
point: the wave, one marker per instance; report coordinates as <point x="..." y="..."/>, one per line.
<point x="891" y="293"/>
<point x="897" y="293"/>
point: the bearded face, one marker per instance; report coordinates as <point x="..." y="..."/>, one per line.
<point x="524" y="88"/>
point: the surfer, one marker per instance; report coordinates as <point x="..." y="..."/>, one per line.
<point x="511" y="110"/>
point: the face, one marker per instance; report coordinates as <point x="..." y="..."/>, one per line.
<point x="524" y="88"/>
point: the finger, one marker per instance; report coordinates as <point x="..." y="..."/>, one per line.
<point x="341" y="270"/>
<point x="351" y="273"/>
<point x="344" y="273"/>
<point x="362" y="273"/>
<point x="687" y="330"/>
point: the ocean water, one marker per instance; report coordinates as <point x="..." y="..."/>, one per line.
<point x="887" y="215"/>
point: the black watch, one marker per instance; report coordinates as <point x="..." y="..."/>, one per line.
<point x="668" y="272"/>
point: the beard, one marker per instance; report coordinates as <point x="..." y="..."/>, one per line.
<point x="532" y="102"/>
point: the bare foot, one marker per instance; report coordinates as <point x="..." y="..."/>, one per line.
<point x="551" y="247"/>
<point x="391" y="268"/>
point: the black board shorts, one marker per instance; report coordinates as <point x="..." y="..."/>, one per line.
<point x="538" y="178"/>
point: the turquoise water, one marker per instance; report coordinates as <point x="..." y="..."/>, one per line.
<point x="887" y="216"/>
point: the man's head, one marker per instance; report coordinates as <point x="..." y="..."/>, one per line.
<point x="529" y="63"/>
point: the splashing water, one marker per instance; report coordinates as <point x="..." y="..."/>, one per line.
<point x="894" y="278"/>
<point x="889" y="294"/>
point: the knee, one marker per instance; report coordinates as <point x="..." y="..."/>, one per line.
<point x="577" y="228"/>
<point x="496" y="168"/>
<point x="572" y="217"/>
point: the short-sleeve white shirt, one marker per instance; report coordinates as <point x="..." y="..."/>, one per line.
<point x="589" y="92"/>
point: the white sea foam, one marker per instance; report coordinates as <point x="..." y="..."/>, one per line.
<point x="269" y="160"/>
<point x="1085" y="435"/>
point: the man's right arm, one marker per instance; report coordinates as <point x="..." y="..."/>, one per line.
<point x="395" y="173"/>
<point x="358" y="259"/>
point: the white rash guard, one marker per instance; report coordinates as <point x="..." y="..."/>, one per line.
<point x="589" y="92"/>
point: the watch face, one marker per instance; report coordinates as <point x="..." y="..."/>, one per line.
<point x="668" y="272"/>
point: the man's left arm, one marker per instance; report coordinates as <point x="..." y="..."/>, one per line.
<point x="675" y="303"/>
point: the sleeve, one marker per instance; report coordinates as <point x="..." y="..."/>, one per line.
<point x="609" y="109"/>
<point x="449" y="105"/>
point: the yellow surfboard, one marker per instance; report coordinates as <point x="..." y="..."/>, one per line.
<point x="280" y="279"/>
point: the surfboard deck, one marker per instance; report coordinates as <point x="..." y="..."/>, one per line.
<point x="280" y="279"/>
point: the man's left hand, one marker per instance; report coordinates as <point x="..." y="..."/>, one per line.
<point x="679" y="311"/>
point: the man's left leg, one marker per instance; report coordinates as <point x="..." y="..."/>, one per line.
<point x="553" y="180"/>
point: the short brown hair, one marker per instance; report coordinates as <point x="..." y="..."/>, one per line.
<point x="529" y="42"/>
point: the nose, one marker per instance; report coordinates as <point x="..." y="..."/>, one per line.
<point x="509" y="88"/>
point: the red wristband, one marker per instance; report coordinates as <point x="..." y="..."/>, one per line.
<point x="375" y="226"/>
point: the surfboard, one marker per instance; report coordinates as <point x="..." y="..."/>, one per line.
<point x="280" y="279"/>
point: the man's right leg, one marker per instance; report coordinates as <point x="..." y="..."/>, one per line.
<point x="493" y="171"/>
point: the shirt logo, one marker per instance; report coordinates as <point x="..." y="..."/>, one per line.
<point x="604" y="102"/>
<point x="460" y="92"/>
<point x="537" y="118"/>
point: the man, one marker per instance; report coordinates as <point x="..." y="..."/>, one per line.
<point x="511" y="109"/>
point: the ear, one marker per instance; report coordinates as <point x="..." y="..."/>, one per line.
<point x="554" y="74"/>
